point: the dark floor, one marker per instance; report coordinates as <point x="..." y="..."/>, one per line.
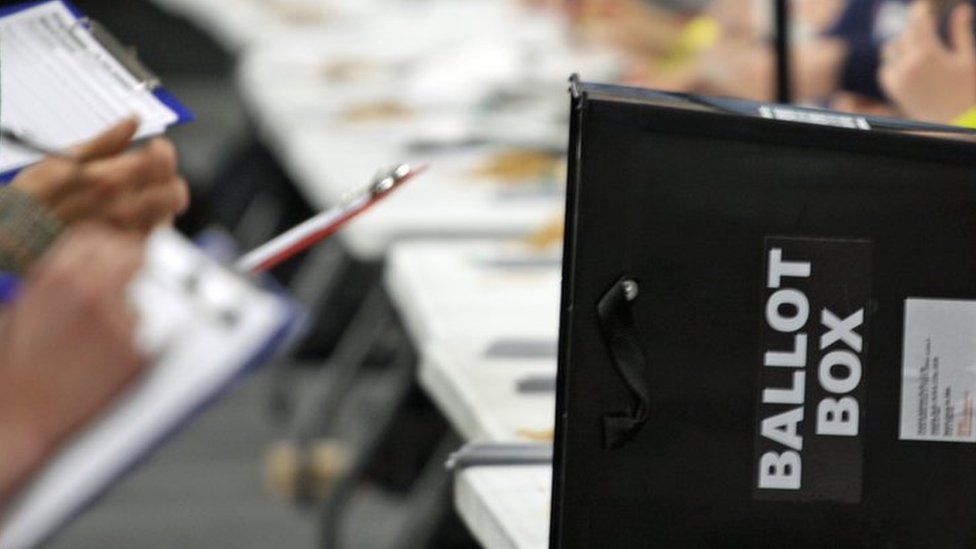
<point x="202" y="490"/>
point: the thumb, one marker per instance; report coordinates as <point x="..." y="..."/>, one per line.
<point x="110" y="142"/>
<point x="961" y="31"/>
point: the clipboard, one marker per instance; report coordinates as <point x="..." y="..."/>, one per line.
<point x="177" y="273"/>
<point x="199" y="353"/>
<point x="102" y="51"/>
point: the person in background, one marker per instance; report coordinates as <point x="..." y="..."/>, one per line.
<point x="835" y="46"/>
<point x="730" y="51"/>
<point x="847" y="75"/>
<point x="66" y="346"/>
<point x="930" y="78"/>
<point x="103" y="181"/>
<point x="640" y="29"/>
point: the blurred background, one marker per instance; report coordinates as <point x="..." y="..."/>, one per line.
<point x="433" y="319"/>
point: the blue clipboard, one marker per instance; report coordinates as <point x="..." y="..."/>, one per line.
<point x="128" y="61"/>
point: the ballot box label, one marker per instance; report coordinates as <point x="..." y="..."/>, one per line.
<point x="812" y="369"/>
<point x="938" y="371"/>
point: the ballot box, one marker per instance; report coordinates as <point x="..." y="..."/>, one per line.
<point x="768" y="328"/>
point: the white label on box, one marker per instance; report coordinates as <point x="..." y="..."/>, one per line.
<point x="938" y="371"/>
<point x="811" y="116"/>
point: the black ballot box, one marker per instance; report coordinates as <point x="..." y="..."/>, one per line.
<point x="768" y="328"/>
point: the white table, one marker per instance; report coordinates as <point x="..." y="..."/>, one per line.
<point x="445" y="202"/>
<point x="506" y="507"/>
<point x="442" y="62"/>
<point x="457" y="300"/>
<point x="480" y="395"/>
<point x="445" y="290"/>
<point x="445" y="60"/>
<point x="239" y="24"/>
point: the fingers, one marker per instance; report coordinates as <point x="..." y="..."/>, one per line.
<point x="961" y="34"/>
<point x="163" y="159"/>
<point x="47" y="180"/>
<point x="111" y="142"/>
<point x="155" y="162"/>
<point x="149" y="207"/>
<point x="136" y="190"/>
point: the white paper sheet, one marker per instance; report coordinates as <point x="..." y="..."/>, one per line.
<point x="60" y="87"/>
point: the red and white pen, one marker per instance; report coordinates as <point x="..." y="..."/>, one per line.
<point x="323" y="225"/>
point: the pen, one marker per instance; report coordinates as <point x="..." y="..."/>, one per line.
<point x="24" y="141"/>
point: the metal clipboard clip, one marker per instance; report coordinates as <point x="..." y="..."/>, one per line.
<point x="125" y="55"/>
<point x="323" y="225"/>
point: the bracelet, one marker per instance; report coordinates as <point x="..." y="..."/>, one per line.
<point x="26" y="230"/>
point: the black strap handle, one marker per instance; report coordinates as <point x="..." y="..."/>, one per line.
<point x="620" y="335"/>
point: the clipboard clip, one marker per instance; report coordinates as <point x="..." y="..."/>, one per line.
<point x="320" y="226"/>
<point x="385" y="181"/>
<point x="124" y="55"/>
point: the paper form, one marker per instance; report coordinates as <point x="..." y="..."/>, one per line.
<point x="60" y="86"/>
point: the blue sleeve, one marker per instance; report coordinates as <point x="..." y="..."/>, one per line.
<point x="859" y="73"/>
<point x="856" y="21"/>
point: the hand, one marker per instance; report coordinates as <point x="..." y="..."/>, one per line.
<point x="134" y="190"/>
<point x="739" y="69"/>
<point x="66" y="347"/>
<point x="926" y="79"/>
<point x="632" y="26"/>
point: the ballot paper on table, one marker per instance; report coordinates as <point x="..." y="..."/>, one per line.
<point x="64" y="79"/>
<point x="204" y="326"/>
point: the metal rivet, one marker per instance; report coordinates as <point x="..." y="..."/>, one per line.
<point x="383" y="185"/>
<point x="631" y="289"/>
<point x="401" y="171"/>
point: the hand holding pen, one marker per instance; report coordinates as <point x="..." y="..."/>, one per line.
<point x="104" y="180"/>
